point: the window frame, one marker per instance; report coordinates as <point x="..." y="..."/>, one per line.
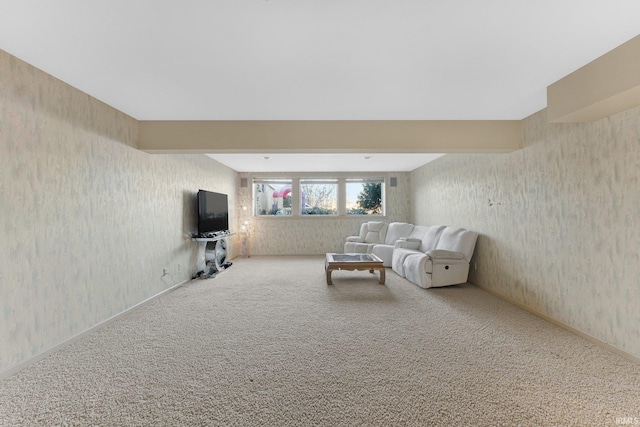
<point x="296" y="199"/>
<point x="269" y="181"/>
<point x="366" y="180"/>
<point x="320" y="181"/>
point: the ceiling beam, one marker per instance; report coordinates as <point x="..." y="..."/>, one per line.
<point x="330" y="136"/>
<point x="608" y="85"/>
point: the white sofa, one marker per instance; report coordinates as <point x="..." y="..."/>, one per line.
<point x="371" y="233"/>
<point x="431" y="256"/>
<point x="441" y="258"/>
<point x="378" y="238"/>
<point x="395" y="232"/>
<point x="421" y="240"/>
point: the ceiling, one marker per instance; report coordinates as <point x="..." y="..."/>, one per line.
<point x="316" y="59"/>
<point x="321" y="162"/>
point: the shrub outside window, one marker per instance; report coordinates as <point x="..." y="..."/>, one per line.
<point x="318" y="196"/>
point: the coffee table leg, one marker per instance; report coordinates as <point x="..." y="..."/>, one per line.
<point x="382" y="276"/>
<point x="329" y="276"/>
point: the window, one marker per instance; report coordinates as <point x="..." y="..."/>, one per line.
<point x="272" y="197"/>
<point x="364" y="196"/>
<point x="318" y="196"/>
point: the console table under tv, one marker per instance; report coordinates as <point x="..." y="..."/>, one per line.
<point x="213" y="249"/>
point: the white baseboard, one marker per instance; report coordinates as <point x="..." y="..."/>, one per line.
<point x="14" y="369"/>
<point x="563" y="325"/>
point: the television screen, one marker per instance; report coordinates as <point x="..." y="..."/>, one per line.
<point x="213" y="212"/>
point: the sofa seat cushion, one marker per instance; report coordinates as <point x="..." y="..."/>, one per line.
<point x="398" y="258"/>
<point x="358" y="248"/>
<point x="384" y="252"/>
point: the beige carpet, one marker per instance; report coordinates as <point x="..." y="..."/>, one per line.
<point x="268" y="343"/>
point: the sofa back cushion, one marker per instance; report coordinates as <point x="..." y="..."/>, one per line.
<point x="364" y="228"/>
<point x="418" y="232"/>
<point x="375" y="232"/>
<point x="431" y="237"/>
<point x="458" y="240"/>
<point x="396" y="230"/>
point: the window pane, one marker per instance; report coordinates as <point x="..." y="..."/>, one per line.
<point x="364" y="196"/>
<point x="319" y="197"/>
<point x="272" y="197"/>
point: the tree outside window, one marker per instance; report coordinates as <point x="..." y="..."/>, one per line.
<point x="364" y="196"/>
<point x="318" y="197"/>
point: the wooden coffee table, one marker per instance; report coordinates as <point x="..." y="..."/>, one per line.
<point x="353" y="262"/>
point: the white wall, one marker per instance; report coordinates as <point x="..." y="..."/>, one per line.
<point x="559" y="221"/>
<point x="87" y="222"/>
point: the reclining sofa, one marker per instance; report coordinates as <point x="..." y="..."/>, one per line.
<point x="430" y="257"/>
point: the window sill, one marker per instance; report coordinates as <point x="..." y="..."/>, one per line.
<point x="285" y="217"/>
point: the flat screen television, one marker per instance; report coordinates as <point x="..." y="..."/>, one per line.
<point x="213" y="213"/>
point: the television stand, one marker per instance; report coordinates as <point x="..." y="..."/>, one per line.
<point x="212" y="255"/>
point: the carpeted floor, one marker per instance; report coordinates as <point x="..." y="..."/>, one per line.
<point x="268" y="343"/>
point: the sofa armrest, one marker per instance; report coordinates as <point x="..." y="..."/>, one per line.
<point x="443" y="254"/>
<point x="356" y="239"/>
<point x="407" y="243"/>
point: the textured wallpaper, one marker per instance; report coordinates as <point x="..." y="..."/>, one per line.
<point x="87" y="222"/>
<point x="559" y="221"/>
<point x="317" y="235"/>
